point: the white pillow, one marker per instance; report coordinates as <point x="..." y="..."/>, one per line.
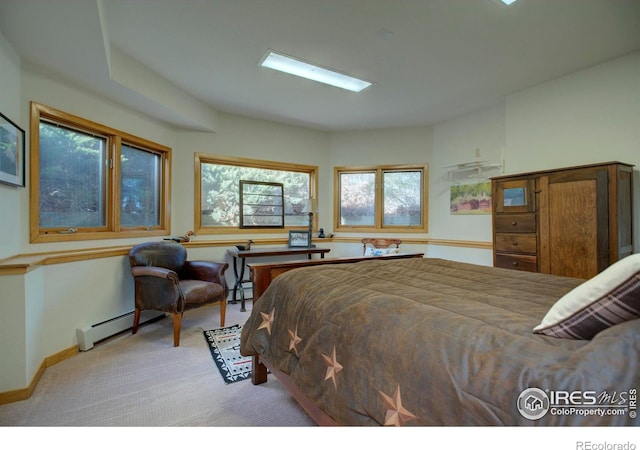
<point x="609" y="298"/>
<point x="371" y="251"/>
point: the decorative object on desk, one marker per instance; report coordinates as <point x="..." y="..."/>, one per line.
<point x="321" y="233"/>
<point x="245" y="247"/>
<point x="224" y="344"/>
<point x="261" y="204"/>
<point x="185" y="238"/>
<point x="299" y="238"/>
<point x="11" y="152"/>
<point x="310" y="208"/>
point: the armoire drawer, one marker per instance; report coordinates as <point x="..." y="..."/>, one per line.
<point x="519" y="262"/>
<point x="515" y="223"/>
<point x="515" y="242"/>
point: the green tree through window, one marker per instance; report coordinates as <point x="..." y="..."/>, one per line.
<point x="90" y="181"/>
<point x="381" y="197"/>
<point x="72" y="170"/>
<point x="220" y="177"/>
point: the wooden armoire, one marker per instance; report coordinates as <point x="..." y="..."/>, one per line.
<point x="574" y="221"/>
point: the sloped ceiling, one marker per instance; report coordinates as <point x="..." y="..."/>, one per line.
<point x="430" y="60"/>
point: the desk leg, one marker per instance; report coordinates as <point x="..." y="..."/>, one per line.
<point x="237" y="280"/>
<point x="241" y="280"/>
<point x="239" y="275"/>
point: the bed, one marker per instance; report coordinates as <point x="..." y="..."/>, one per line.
<point x="427" y="341"/>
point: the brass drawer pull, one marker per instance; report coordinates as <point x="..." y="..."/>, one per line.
<point x="514" y="223"/>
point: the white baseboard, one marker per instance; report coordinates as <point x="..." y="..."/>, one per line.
<point x="88" y="336"/>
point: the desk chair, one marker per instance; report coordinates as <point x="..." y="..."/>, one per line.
<point x="380" y="246"/>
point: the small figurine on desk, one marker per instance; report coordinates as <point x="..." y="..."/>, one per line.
<point x="321" y="233"/>
<point x="245" y="247"/>
<point x="185" y="238"/>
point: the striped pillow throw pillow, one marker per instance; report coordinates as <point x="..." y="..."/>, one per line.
<point x="609" y="298"/>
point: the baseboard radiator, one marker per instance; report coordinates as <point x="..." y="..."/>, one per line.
<point x="90" y="335"/>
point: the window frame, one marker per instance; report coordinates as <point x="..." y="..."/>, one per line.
<point x="204" y="158"/>
<point x="114" y="139"/>
<point x="378" y="225"/>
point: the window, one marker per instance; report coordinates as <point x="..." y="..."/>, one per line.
<point x="89" y="181"/>
<point x="381" y="198"/>
<point x="218" y="193"/>
<point x="140" y="187"/>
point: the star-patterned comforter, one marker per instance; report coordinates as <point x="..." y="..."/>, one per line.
<point x="427" y="341"/>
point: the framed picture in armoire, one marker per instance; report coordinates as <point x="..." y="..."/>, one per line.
<point x="514" y="196"/>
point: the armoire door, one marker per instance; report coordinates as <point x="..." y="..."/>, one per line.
<point x="574" y="230"/>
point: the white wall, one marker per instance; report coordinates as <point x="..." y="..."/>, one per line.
<point x="60" y="95"/>
<point x="589" y="116"/>
<point x="452" y="142"/>
<point x="46" y="314"/>
<point x="48" y="304"/>
<point x="410" y="145"/>
<point x="10" y="198"/>
<point x="474" y="137"/>
<point x="245" y="138"/>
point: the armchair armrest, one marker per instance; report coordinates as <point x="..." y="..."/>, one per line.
<point x="154" y="271"/>
<point x="157" y="288"/>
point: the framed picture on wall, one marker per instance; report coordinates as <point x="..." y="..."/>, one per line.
<point x="11" y="152"/>
<point x="299" y="239"/>
<point x="261" y="204"/>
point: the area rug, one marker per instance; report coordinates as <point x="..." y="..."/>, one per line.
<point x="224" y="344"/>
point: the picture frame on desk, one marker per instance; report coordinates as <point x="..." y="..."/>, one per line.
<point x="299" y="238"/>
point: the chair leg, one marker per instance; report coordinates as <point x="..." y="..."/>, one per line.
<point x="177" y="321"/>
<point x="136" y="321"/>
<point x="223" y="311"/>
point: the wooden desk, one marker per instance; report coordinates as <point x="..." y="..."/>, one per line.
<point x="239" y="257"/>
<point x="262" y="274"/>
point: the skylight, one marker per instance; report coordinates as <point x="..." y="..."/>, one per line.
<point x="297" y="67"/>
<point x="508" y="2"/>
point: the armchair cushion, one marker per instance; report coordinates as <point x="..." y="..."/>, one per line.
<point x="198" y="293"/>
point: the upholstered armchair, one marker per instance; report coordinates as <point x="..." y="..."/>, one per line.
<point x="166" y="281"/>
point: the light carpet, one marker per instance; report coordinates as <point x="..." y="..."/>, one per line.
<point x="142" y="380"/>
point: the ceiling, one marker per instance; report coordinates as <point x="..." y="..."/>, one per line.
<point x="183" y="61"/>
